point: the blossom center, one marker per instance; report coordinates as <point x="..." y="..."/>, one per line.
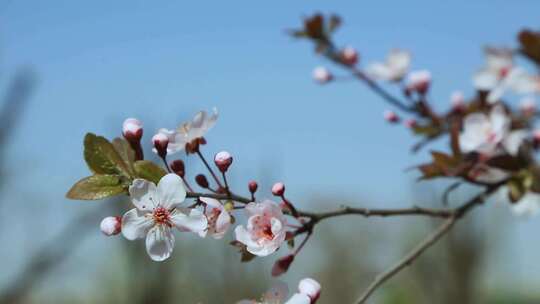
<point x="491" y="137"/>
<point x="503" y="72"/>
<point x="212" y="218"/>
<point x="162" y="216"/>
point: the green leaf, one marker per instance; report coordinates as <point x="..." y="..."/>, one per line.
<point x="102" y="157"/>
<point x="147" y="170"/>
<point x="125" y="151"/>
<point x="97" y="187"/>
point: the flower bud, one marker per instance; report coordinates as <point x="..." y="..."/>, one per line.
<point x="411" y="123"/>
<point x="201" y="181"/>
<point x="177" y="167"/>
<point x="527" y="106"/>
<point x="349" y="56"/>
<point x="457" y="100"/>
<point x="311" y="288"/>
<point x="282" y="265"/>
<point x="132" y="130"/>
<point x="223" y="160"/>
<point x="278" y="189"/>
<point x="111" y="225"/>
<point x="161" y="142"/>
<point x="322" y="75"/>
<point x="253" y="186"/>
<point x="536" y="138"/>
<point x="390" y="116"/>
<point x="419" y="81"/>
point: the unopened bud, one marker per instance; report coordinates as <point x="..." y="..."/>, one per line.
<point x="278" y="189"/>
<point x="419" y="81"/>
<point x="527" y="106"/>
<point x="390" y="116"/>
<point x="457" y="100"/>
<point x="282" y="265"/>
<point x="161" y="142"/>
<point x="311" y="288"/>
<point x="253" y="186"/>
<point x="223" y="160"/>
<point x="201" y="181"/>
<point x="349" y="56"/>
<point x="177" y="167"/>
<point x="132" y="130"/>
<point x="411" y="123"/>
<point x="111" y="225"/>
<point x="536" y="138"/>
<point x="322" y="75"/>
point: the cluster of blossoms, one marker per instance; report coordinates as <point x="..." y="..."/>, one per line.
<point x="491" y="144"/>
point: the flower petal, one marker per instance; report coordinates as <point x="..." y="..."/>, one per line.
<point x="194" y="221"/>
<point x="223" y="223"/>
<point x="143" y="194"/>
<point x="485" y="79"/>
<point x="214" y="203"/>
<point x="171" y="191"/>
<point x="135" y="224"/>
<point x="159" y="243"/>
<point x="527" y="206"/>
<point x="513" y="141"/>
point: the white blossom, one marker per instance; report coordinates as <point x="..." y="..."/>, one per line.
<point x="394" y="68"/>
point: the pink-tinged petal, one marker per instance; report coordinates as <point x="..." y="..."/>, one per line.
<point x="214" y="203"/>
<point x="143" y="194"/>
<point x="498" y="58"/>
<point x="500" y="122"/>
<point x="521" y="82"/>
<point x="513" y="141"/>
<point x="223" y="223"/>
<point x="277" y="293"/>
<point x="299" y="298"/>
<point x="159" y="242"/>
<point x="310" y="287"/>
<point x="135" y="224"/>
<point x="171" y="191"/>
<point x="194" y="220"/>
<point x="244" y="237"/>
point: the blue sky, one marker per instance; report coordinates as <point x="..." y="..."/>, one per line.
<point x="99" y="62"/>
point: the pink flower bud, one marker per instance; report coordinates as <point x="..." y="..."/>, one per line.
<point x="349" y="56"/>
<point x="278" y="189"/>
<point x="411" y="123"/>
<point x="253" y="186"/>
<point x="177" y="167"/>
<point x="282" y="265"/>
<point x="161" y="142"/>
<point x="419" y="81"/>
<point x="390" y="116"/>
<point x="322" y="75"/>
<point x="223" y="160"/>
<point x="201" y="181"/>
<point x="111" y="225"/>
<point x="132" y="129"/>
<point x="536" y="138"/>
<point x="311" y="288"/>
<point x="457" y="100"/>
<point x="527" y="106"/>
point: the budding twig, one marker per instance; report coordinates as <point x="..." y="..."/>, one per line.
<point x="209" y="168"/>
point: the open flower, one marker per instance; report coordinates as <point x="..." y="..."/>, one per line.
<point x="500" y="74"/>
<point x="393" y="69"/>
<point x="188" y="133"/>
<point x="157" y="212"/>
<point x="219" y="219"/>
<point x="309" y="291"/>
<point x="490" y="134"/>
<point x="265" y="230"/>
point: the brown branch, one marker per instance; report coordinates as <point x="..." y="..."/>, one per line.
<point x="426" y="243"/>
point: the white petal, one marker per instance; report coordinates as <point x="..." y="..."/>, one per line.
<point x="499" y="120"/>
<point x="143" y="194"/>
<point x="194" y="221"/>
<point x="299" y="298"/>
<point x="135" y="224"/>
<point x="159" y="243"/>
<point x="379" y="71"/>
<point x="309" y="287"/>
<point x="498" y="58"/>
<point x="214" y="203"/>
<point x="513" y="141"/>
<point x="244" y="237"/>
<point x="475" y="127"/>
<point x="485" y="80"/>
<point x="522" y="82"/>
<point x="223" y="223"/>
<point x="491" y="175"/>
<point x="171" y="191"/>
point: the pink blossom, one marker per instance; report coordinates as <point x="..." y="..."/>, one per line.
<point x="322" y="75"/>
<point x="419" y="81"/>
<point x="219" y="219"/>
<point x="265" y="230"/>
